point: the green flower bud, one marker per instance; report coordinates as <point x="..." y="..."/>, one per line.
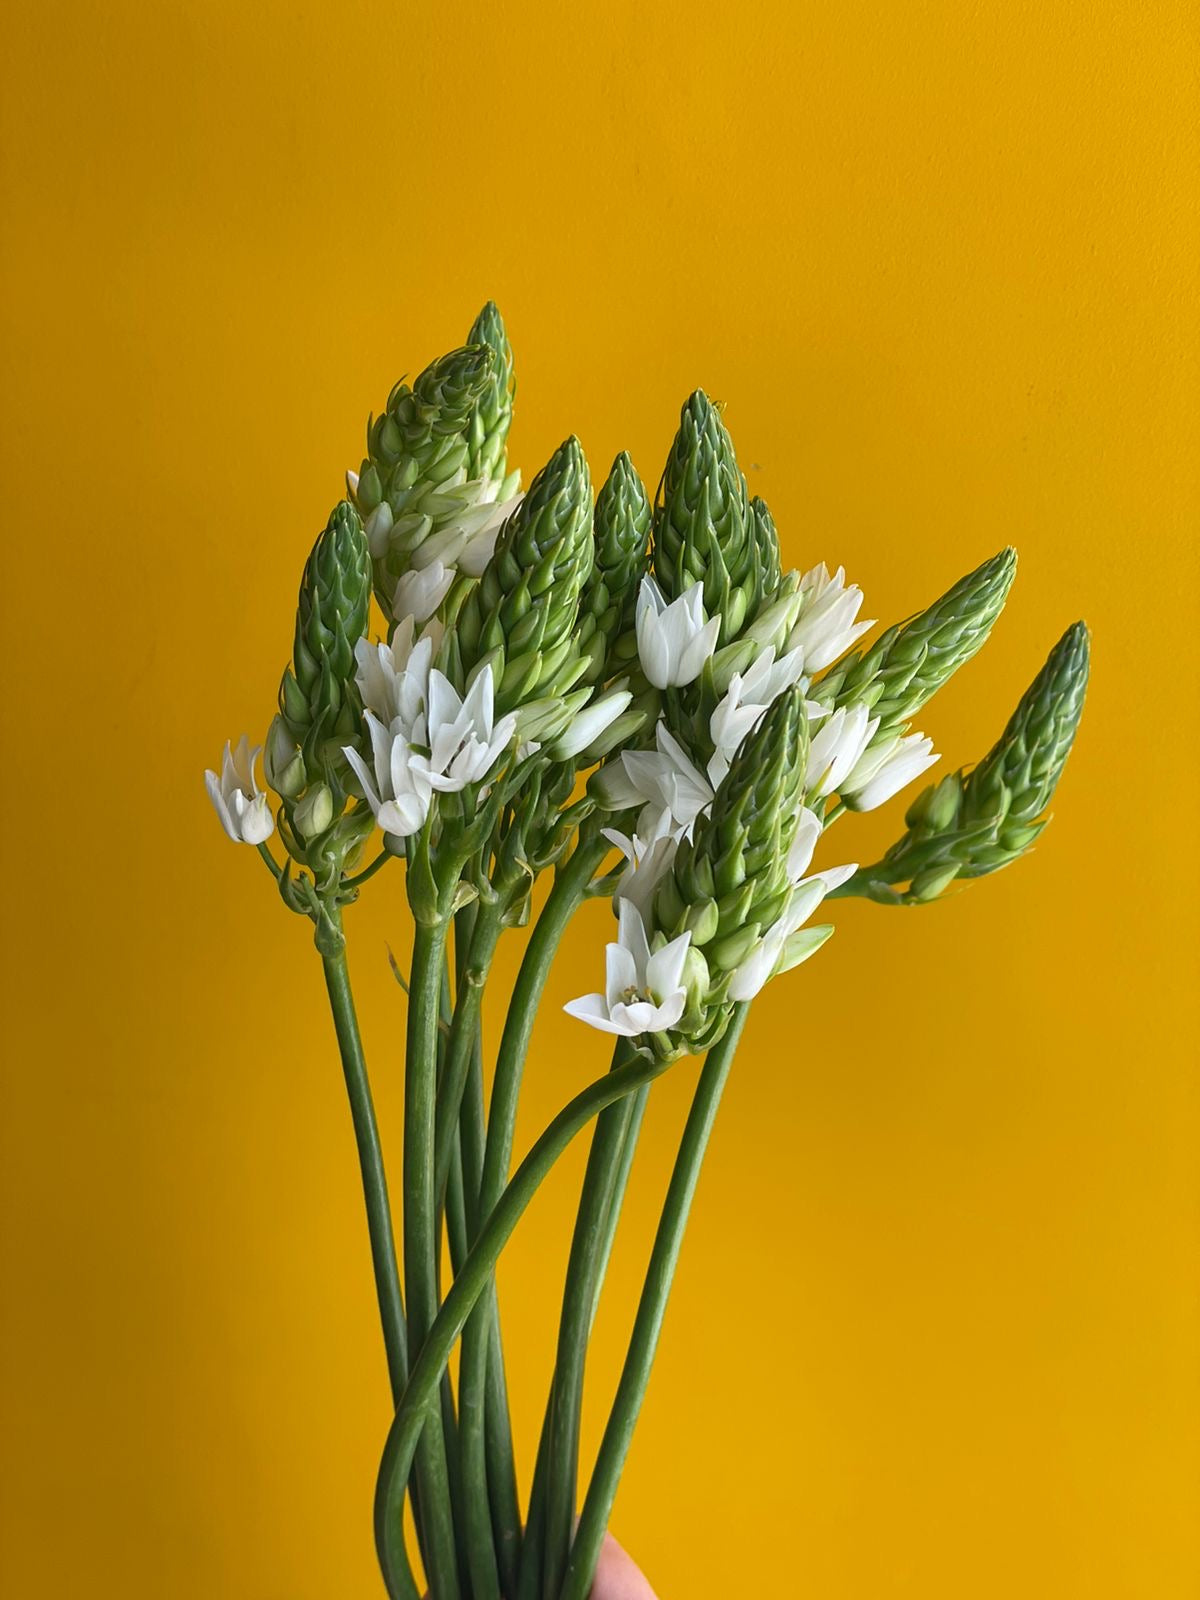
<point x="703" y="525"/>
<point x="766" y="541"/>
<point x="487" y="432"/>
<point x="521" y="615"/>
<point x="314" y="813"/>
<point x="283" y="761"/>
<point x="1027" y="760"/>
<point x="318" y="701"/>
<point x="976" y="822"/>
<point x="908" y="664"/>
<point x="417" y="478"/>
<point x="729" y="882"/>
<point x="621" y="527"/>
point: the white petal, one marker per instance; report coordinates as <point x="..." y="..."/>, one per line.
<point x="664" y="970"/>
<point x="590" y="1008"/>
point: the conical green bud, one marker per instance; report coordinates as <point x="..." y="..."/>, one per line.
<point x="703" y="525"/>
<point x="975" y="822"/>
<point x="417" y="476"/>
<point x="520" y="617"/>
<point x="487" y="433"/>
<point x="621" y="526"/>
<point x="766" y="541"/>
<point x="729" y="882"/>
<point x="908" y="664"/>
<point x="1018" y="776"/>
<point x="318" y="701"/>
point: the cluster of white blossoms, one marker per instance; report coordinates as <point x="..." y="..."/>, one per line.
<point x="464" y="545"/>
<point x="424" y="735"/>
<point x="644" y="989"/>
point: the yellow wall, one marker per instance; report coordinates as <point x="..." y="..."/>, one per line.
<point x="936" y="1329"/>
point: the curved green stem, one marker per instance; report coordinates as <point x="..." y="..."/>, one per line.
<point x="569" y="888"/>
<point x="370" y="1160"/>
<point x="414" y="1408"/>
<point x="593" y="1521"/>
<point x="566" y="1394"/>
<point x="420" y="1236"/>
<point x="533" y="1544"/>
<point x="365" y="876"/>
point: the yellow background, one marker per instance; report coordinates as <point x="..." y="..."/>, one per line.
<point x="935" y="1332"/>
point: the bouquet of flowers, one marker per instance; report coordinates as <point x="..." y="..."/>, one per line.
<point x="634" y="699"/>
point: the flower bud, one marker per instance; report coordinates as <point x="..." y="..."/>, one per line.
<point x="909" y="663"/>
<point x="521" y="614"/>
<point x="314" y="813"/>
<point x="703" y="525"/>
<point x="283" y="762"/>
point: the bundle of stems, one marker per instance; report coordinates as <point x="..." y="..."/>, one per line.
<point x="635" y="701"/>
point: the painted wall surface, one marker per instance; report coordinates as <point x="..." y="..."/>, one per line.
<point x="936" y="1328"/>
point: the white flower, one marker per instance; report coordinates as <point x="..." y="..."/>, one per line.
<point x="468" y="540"/>
<point x="378" y="529"/>
<point x="780" y="945"/>
<point x="826" y="628"/>
<point x="643" y="993"/>
<point x="660" y="781"/>
<point x="460" y="734"/>
<point x="674" y="641"/>
<point x="745" y="701"/>
<point x="883" y="771"/>
<point x="399" y="793"/>
<point x="836" y="748"/>
<point x="589" y="724"/>
<point x="393" y="679"/>
<point x="420" y="592"/>
<point x="241" y="805"/>
<point x="649" y="861"/>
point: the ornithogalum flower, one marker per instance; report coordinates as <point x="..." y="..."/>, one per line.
<point x="420" y="592"/>
<point x="674" y="641"/>
<point x="399" y="792"/>
<point x="826" y="628"/>
<point x="393" y="679"/>
<point x="648" y="860"/>
<point x="643" y="991"/>
<point x="744" y="702"/>
<point x="836" y="749"/>
<point x="589" y="724"/>
<point x="883" y="770"/>
<point x="461" y="738"/>
<point x="670" y="789"/>
<point x="241" y="805"/>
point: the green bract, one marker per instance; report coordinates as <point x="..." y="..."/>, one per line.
<point x="520" y="617"/>
<point x="978" y="820"/>
<point x="909" y="663"/>
<point x="491" y="416"/>
<point x="416" y="476"/>
<point x="729" y="883"/>
<point x="318" y="701"/>
<point x="621" y="526"/>
<point x="703" y="525"/>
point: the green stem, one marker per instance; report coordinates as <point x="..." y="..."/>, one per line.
<point x="570" y="886"/>
<point x="566" y="1394"/>
<point x="275" y="869"/>
<point x="533" y="1544"/>
<point x="593" y="1521"/>
<point x="420" y="1236"/>
<point x="365" y="876"/>
<point x="414" y="1408"/>
<point x="370" y="1160"/>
